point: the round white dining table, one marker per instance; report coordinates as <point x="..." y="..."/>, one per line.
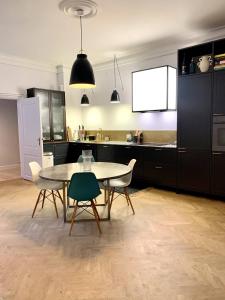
<point x="104" y="171"/>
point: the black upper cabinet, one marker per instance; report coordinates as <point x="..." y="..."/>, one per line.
<point x="53" y="117"/>
<point x="219" y="93"/>
<point x="194" y="111"/>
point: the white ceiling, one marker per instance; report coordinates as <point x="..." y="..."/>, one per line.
<point x="39" y="31"/>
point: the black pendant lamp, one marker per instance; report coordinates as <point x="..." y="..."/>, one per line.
<point x="82" y="75"/>
<point x="115" y="97"/>
<point x="84" y="100"/>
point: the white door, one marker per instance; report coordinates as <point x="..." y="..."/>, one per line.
<point x="30" y="134"/>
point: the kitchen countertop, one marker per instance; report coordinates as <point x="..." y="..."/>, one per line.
<point x="124" y="143"/>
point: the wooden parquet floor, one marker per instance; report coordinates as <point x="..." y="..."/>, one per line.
<point x="173" y="248"/>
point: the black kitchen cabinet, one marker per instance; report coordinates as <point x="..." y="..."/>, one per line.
<point x="194" y="111"/>
<point x="219" y="93"/>
<point x="159" y="166"/>
<point x="193" y="173"/>
<point x="75" y="150"/>
<point x="59" y="150"/>
<point x="106" y="153"/>
<point x="218" y="165"/>
<point x="53" y="116"/>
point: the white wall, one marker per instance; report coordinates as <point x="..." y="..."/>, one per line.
<point x="15" y="78"/>
<point x="9" y="149"/>
<point x="102" y="114"/>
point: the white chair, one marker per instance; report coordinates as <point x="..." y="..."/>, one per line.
<point x="122" y="182"/>
<point x="46" y="187"/>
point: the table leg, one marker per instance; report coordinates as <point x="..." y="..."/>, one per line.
<point x="108" y="198"/>
<point x="64" y="201"/>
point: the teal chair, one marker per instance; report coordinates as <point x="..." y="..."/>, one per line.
<point x="84" y="188"/>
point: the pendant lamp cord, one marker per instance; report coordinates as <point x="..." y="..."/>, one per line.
<point x="114" y="71"/>
<point x="116" y="63"/>
<point x="81" y="36"/>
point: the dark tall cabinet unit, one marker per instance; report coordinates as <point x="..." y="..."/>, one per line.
<point x="53" y="115"/>
<point x="194" y="132"/>
<point x="201" y="98"/>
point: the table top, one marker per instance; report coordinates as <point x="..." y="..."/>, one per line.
<point x="102" y="171"/>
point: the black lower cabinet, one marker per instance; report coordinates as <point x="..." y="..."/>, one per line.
<point x="106" y="153"/>
<point x="59" y="150"/>
<point x="218" y="170"/>
<point x="75" y="150"/>
<point x="193" y="172"/>
<point x="159" y="166"/>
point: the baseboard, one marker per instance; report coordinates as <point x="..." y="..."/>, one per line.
<point x="6" y="167"/>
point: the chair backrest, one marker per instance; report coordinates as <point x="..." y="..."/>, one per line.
<point x="127" y="178"/>
<point x="80" y="159"/>
<point x="83" y="186"/>
<point x="35" y="169"/>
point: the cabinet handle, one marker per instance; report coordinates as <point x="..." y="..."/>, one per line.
<point x="182" y="148"/>
<point x="217" y="153"/>
<point x="158" y="149"/>
<point x="127" y="147"/>
<point x="218" y="114"/>
<point x="105" y="146"/>
<point x="158" y="167"/>
<point x="182" y="151"/>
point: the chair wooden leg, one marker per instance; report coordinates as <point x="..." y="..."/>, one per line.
<point x="53" y="196"/>
<point x="105" y="194"/>
<point x="60" y="197"/>
<point x="73" y="218"/>
<point x="96" y="212"/>
<point x="36" y="204"/>
<point x="112" y="195"/>
<point x="43" y="200"/>
<point x="96" y="215"/>
<point x="128" y="199"/>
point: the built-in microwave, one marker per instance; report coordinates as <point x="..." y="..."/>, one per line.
<point x="218" y="138"/>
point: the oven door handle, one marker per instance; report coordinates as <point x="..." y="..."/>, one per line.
<point x="216" y="115"/>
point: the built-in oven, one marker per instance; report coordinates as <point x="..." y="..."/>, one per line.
<point x="218" y="138"/>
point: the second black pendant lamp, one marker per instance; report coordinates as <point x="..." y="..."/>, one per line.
<point x="82" y="75"/>
<point x="115" y="97"/>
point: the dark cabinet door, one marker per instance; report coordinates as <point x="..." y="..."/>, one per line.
<point x="219" y="93"/>
<point x="58" y="116"/>
<point x="159" y="166"/>
<point x="106" y="153"/>
<point x="75" y="150"/>
<point x="218" y="178"/>
<point x="194" y="111"/>
<point x="124" y="154"/>
<point x="193" y="173"/>
<point x="45" y="113"/>
<point x="53" y="117"/>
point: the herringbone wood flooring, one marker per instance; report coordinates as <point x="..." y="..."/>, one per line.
<point x="173" y="248"/>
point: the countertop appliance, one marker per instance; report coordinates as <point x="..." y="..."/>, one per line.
<point x="48" y="160"/>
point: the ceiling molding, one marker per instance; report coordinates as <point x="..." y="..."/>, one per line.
<point x="8" y="96"/>
<point x="26" y="63"/>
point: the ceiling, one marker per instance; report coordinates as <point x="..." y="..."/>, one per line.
<point x="39" y="31"/>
